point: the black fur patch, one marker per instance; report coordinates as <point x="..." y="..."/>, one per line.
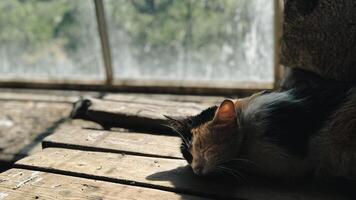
<point x="185" y="125"/>
<point x="205" y="116"/>
<point x="291" y="123"/>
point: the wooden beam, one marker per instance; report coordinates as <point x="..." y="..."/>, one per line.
<point x="104" y="39"/>
<point x="278" y="69"/>
<point x="139" y="86"/>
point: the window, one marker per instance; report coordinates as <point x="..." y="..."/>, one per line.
<point x="49" y="40"/>
<point x="208" y="40"/>
<point x="185" y="43"/>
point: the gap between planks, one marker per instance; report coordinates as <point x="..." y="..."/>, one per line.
<point x="131" y="143"/>
<point x="164" y="174"/>
<point x="27" y="184"/>
<point x="156" y="173"/>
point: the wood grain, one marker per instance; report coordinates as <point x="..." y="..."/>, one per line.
<point x="158" y="173"/>
<point x="49" y="97"/>
<point x="163" y="174"/>
<point x="203" y="100"/>
<point x="139" y="114"/>
<point x="23" y="124"/>
<point x="115" y="141"/>
<point x="26" y="184"/>
<point x="147" y="108"/>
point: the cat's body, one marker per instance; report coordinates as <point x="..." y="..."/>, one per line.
<point x="281" y="130"/>
<point x="305" y="129"/>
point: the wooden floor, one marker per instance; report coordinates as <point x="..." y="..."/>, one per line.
<point x="128" y="154"/>
<point x="26" y="118"/>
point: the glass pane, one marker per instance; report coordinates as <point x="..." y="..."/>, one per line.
<point x="52" y="39"/>
<point x="228" y="40"/>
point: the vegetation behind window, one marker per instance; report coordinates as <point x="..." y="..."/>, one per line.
<point x="230" y="40"/>
<point x="225" y="40"/>
<point x="49" y="39"/>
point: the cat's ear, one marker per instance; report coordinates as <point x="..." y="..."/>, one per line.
<point x="226" y="113"/>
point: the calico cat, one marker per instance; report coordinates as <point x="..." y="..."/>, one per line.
<point x="290" y="134"/>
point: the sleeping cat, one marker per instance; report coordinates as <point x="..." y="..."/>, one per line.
<point x="309" y="129"/>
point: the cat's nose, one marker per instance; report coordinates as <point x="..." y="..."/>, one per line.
<point x="198" y="170"/>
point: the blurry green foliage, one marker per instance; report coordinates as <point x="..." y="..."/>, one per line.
<point x="48" y="37"/>
<point x="195" y="24"/>
<point x="160" y="29"/>
<point x="34" y="23"/>
<point x="149" y="35"/>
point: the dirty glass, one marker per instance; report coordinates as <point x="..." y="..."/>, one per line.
<point x="228" y="40"/>
<point x="49" y="39"/>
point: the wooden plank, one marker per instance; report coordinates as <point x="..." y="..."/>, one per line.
<point x="164" y="174"/>
<point x="50" y="96"/>
<point x="115" y="142"/>
<point x="11" y="96"/>
<point x="146" y="107"/>
<point x="143" y="86"/>
<point x="158" y="173"/>
<point x="139" y="114"/>
<point x="25" y="184"/>
<point x="203" y="100"/>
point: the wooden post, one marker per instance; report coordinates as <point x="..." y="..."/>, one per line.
<point x="104" y="39"/>
<point x="278" y="71"/>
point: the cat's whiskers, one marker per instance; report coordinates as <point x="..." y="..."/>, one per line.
<point x="228" y="172"/>
<point x="235" y="173"/>
<point x="180" y="134"/>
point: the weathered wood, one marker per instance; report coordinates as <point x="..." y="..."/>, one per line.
<point x="278" y="69"/>
<point x="23" y="124"/>
<point x="104" y="40"/>
<point x="25" y="184"/>
<point x="203" y="100"/>
<point x="11" y="96"/>
<point x="135" y="170"/>
<point x="50" y="96"/>
<point x="142" y="86"/>
<point x="320" y="36"/>
<point x="139" y="114"/>
<point x="114" y="141"/>
<point x="158" y="173"/>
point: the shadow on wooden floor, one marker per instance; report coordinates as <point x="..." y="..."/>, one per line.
<point x="5" y="166"/>
<point x="38" y="139"/>
<point x="255" y="187"/>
